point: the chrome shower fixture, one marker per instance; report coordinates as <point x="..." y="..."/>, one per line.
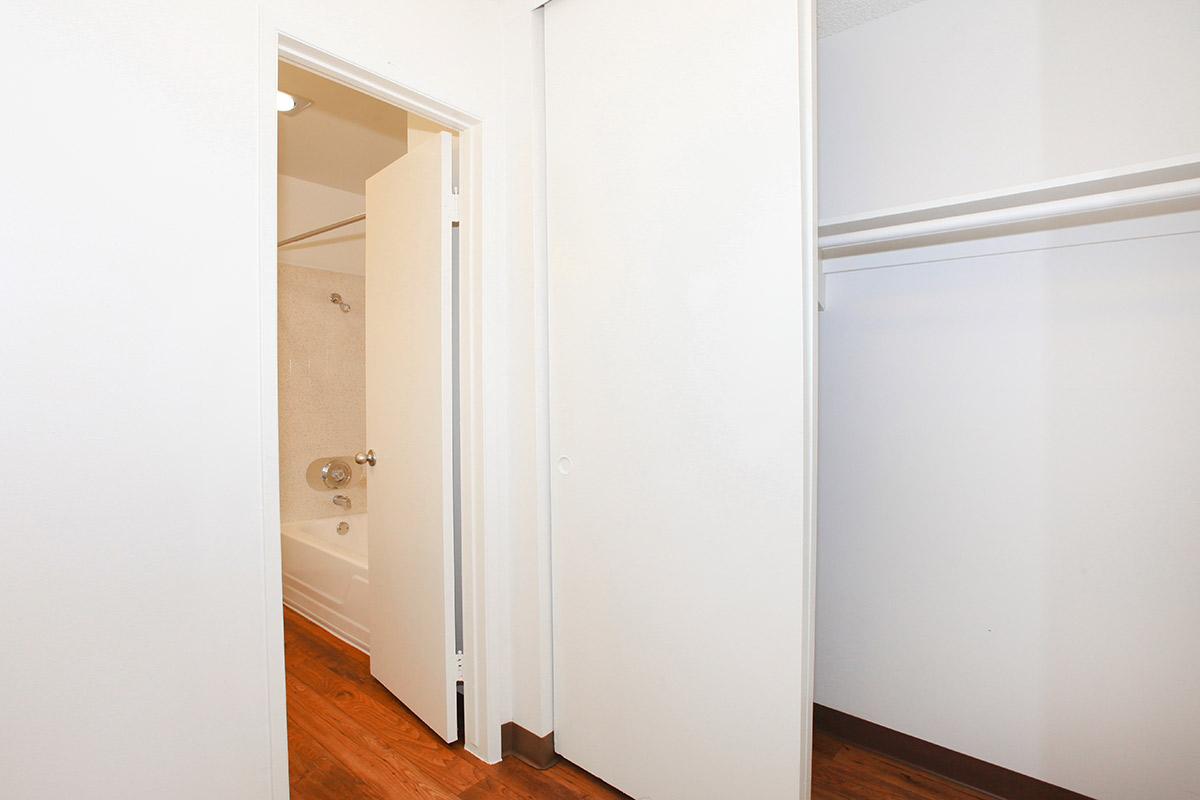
<point x="336" y="299"/>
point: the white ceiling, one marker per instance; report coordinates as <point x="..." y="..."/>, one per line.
<point x="838" y="15"/>
<point x="342" y="138"/>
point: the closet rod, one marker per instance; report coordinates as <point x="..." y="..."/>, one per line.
<point x="909" y="233"/>
<point x="316" y="231"/>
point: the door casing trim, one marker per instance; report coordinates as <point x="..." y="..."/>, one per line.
<point x="481" y="729"/>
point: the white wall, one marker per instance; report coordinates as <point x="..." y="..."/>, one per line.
<point x="135" y="570"/>
<point x="1008" y="549"/>
<point x="1007" y="437"/>
<point x="952" y="97"/>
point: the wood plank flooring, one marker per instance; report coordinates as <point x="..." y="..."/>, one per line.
<point x="348" y="738"/>
<point x="842" y="771"/>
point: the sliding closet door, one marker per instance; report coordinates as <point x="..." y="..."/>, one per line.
<point x="678" y="330"/>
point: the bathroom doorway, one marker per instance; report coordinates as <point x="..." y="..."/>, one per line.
<point x="369" y="466"/>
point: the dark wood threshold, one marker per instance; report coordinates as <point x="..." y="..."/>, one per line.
<point x="536" y="751"/>
<point x="967" y="770"/>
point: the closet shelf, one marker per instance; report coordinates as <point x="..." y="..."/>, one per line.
<point x="1137" y="190"/>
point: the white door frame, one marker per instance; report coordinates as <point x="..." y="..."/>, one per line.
<point x="481" y="728"/>
<point x="814" y="299"/>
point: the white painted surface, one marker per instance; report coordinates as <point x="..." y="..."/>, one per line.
<point x="139" y="350"/>
<point x="325" y="574"/>
<point x="952" y="97"/>
<point x="677" y="364"/>
<point x="1005" y="421"/>
<point x="410" y="415"/>
<point x="1008" y="524"/>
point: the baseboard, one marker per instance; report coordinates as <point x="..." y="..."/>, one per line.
<point x="972" y="772"/>
<point x="299" y="604"/>
<point x="536" y="751"/>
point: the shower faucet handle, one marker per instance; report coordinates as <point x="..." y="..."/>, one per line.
<point x="365" y="458"/>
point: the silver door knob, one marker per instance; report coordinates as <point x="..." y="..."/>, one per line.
<point x="365" y="458"/>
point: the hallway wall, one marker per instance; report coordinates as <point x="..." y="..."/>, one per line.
<point x="153" y="667"/>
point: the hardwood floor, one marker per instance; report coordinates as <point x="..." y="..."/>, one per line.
<point x="348" y="738"/>
<point x="844" y="772"/>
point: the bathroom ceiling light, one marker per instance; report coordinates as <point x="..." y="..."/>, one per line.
<point x="290" y="103"/>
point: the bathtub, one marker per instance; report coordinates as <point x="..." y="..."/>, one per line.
<point x="325" y="574"/>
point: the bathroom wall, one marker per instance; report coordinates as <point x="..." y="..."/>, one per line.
<point x="322" y="385"/>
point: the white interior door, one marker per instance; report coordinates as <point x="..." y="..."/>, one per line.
<point x="410" y="418"/>
<point x="679" y="296"/>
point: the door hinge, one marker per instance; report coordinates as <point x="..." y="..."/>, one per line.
<point x="458" y="665"/>
<point x="455" y="214"/>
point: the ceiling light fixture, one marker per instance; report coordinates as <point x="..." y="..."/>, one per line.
<point x="290" y="103"/>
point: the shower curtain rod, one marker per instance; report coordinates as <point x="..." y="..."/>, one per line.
<point x="316" y="231"/>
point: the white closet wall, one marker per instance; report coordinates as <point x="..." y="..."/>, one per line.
<point x="1008" y="549"/>
<point x="951" y="97"/>
<point x="1008" y="428"/>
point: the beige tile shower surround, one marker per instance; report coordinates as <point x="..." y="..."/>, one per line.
<point x="322" y="385"/>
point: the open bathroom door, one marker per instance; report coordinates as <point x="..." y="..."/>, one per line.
<point x="410" y="420"/>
